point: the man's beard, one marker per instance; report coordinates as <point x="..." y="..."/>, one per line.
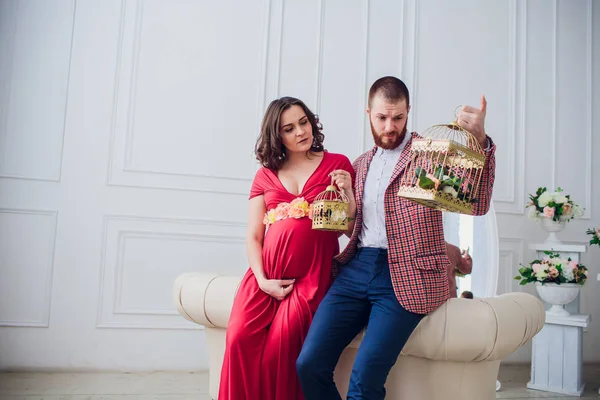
<point x="399" y="137"/>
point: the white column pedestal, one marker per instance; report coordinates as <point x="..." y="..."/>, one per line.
<point x="558" y="354"/>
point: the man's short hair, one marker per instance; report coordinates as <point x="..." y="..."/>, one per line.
<point x="466" y="294"/>
<point x="390" y="88"/>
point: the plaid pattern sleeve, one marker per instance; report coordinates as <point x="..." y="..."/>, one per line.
<point x="487" y="181"/>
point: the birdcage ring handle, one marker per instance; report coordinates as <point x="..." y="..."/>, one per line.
<point x="455" y="113"/>
<point x="333" y="186"/>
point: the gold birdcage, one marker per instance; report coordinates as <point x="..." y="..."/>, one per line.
<point x="445" y="170"/>
<point x="330" y="210"/>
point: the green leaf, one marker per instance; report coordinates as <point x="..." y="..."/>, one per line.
<point x="419" y="172"/>
<point x="523" y="282"/>
<point x="439" y="172"/>
<point x="426" y="183"/>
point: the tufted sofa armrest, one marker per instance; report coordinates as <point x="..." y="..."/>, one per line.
<point x="205" y="298"/>
<point x="485" y="329"/>
<point x="482" y="329"/>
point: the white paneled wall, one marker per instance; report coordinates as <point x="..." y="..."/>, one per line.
<point x="34" y="65"/>
<point x="127" y="131"/>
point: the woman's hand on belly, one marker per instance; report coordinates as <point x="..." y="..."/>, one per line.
<point x="277" y="288"/>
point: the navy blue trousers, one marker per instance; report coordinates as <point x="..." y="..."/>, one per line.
<point x="362" y="295"/>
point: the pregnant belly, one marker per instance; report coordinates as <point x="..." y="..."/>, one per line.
<point x="292" y="249"/>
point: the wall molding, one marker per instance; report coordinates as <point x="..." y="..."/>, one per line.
<point x="415" y="75"/>
<point x="123" y="236"/>
<point x="5" y="100"/>
<point x="319" y="73"/>
<point x="279" y="48"/>
<point x="511" y="249"/>
<point x="121" y="171"/>
<point x="514" y="201"/>
<point x="589" y="104"/>
<point x="554" y="91"/>
<point x="589" y="111"/>
<point x="264" y="60"/>
<point x="112" y="313"/>
<point x="402" y="37"/>
<point x="44" y="322"/>
<point x="363" y="133"/>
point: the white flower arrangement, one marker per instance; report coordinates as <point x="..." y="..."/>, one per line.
<point x="553" y="269"/>
<point x="556" y="206"/>
<point x="595" y="236"/>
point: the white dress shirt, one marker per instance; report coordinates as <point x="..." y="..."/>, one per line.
<point x="378" y="179"/>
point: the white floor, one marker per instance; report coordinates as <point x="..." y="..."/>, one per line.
<point x="194" y="386"/>
<point x="515" y="377"/>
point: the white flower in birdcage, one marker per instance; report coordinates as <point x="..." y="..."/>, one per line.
<point x="338" y="216"/>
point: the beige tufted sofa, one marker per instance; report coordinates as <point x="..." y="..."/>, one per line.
<point x="454" y="354"/>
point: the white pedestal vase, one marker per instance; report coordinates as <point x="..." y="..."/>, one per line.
<point x="573" y="251"/>
<point x="551" y="226"/>
<point x="558" y="296"/>
<point x="556" y="364"/>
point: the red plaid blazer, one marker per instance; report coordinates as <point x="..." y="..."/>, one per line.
<point x="416" y="246"/>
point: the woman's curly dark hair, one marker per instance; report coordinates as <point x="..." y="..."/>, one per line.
<point x="269" y="149"/>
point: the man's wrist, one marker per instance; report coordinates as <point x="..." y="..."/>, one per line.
<point x="487" y="144"/>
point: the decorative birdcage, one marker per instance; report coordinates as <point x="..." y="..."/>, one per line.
<point x="330" y="210"/>
<point x="445" y="171"/>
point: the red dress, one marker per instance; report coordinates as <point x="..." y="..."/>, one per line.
<point x="264" y="335"/>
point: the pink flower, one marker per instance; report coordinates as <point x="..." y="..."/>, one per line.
<point x="297" y="212"/>
<point x="298" y="208"/>
<point x="553" y="272"/>
<point x="282" y="211"/>
<point x="537" y="268"/>
<point x="549" y="212"/>
<point x="567" y="209"/>
<point x="573" y="265"/>
<point x="436" y="181"/>
<point x="598" y="231"/>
